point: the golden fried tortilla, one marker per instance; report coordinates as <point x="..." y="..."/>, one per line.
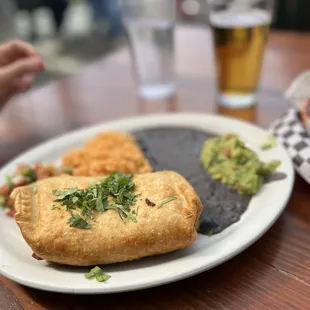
<point x="107" y="152"/>
<point x="110" y="239"/>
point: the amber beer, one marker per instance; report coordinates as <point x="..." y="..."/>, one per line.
<point x="239" y="47"/>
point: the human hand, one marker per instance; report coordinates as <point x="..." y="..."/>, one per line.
<point x="19" y="61"/>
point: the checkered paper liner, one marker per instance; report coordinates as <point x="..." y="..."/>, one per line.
<point x="291" y="133"/>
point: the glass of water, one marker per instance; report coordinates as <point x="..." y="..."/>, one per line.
<point x="150" y="27"/>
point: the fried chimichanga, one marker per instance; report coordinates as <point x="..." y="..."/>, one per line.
<point x="166" y="209"/>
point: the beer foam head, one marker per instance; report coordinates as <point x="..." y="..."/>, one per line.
<point x="246" y="18"/>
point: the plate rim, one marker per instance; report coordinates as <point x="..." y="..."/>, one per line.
<point x="152" y="117"/>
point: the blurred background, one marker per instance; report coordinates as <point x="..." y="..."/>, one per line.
<point x="72" y="33"/>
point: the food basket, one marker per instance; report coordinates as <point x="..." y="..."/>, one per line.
<point x="292" y="130"/>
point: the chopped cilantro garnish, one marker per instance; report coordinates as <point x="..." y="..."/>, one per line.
<point x="9" y="181"/>
<point x="98" y="273"/>
<point x="188" y="215"/>
<point x="29" y="174"/>
<point x="203" y="232"/>
<point x="34" y="187"/>
<point x="55" y="207"/>
<point x="63" y="194"/>
<point x="269" y="144"/>
<point x="102" y="277"/>
<point x="115" y="192"/>
<point x="3" y="200"/>
<point x="78" y="222"/>
<point x="166" y="201"/>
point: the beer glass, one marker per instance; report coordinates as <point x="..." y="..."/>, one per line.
<point x="240" y="29"/>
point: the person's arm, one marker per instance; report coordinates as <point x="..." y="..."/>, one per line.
<point x="19" y="61"/>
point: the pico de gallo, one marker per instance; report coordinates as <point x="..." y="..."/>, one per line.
<point x="25" y="175"/>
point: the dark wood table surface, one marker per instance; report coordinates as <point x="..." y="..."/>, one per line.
<point x="274" y="273"/>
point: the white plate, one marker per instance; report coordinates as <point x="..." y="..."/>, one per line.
<point x="17" y="264"/>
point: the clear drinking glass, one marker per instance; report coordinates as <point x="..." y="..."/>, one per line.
<point x="150" y="27"/>
<point x="240" y="29"/>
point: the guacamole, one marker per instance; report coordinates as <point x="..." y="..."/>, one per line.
<point x="228" y="160"/>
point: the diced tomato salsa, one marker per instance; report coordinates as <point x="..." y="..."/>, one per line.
<point x="25" y="175"/>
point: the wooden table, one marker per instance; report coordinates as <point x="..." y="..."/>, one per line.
<point x="274" y="273"/>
